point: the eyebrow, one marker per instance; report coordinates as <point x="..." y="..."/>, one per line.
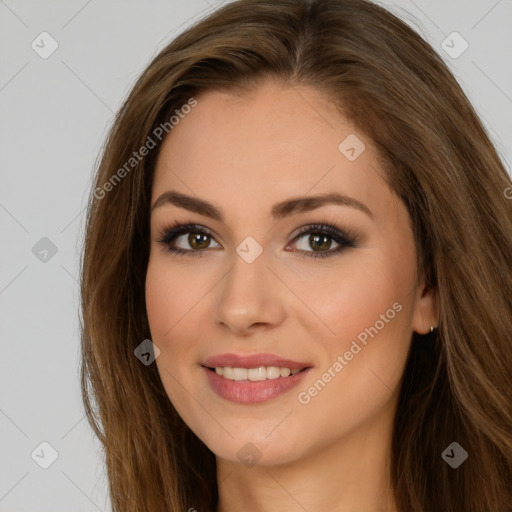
<point x="279" y="210"/>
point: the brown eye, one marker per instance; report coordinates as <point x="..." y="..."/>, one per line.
<point x="321" y="242"/>
<point x="193" y="239"/>
<point x="199" y="240"/>
<point x="315" y="242"/>
<point x="318" y="239"/>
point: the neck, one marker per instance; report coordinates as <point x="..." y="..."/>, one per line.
<point x="351" y="474"/>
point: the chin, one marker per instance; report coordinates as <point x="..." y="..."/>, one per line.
<point x="255" y="445"/>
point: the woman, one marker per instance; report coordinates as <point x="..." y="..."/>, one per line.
<point x="296" y="282"/>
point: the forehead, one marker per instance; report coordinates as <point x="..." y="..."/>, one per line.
<point x="275" y="141"/>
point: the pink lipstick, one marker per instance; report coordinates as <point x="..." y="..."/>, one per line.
<point x="253" y="378"/>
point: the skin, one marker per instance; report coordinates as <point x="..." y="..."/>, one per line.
<point x="244" y="153"/>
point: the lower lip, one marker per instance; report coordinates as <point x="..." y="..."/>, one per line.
<point x="252" y="392"/>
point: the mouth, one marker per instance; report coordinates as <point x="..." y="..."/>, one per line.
<point x="253" y="378"/>
<point x="251" y="386"/>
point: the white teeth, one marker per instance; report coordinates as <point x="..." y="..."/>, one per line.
<point x="254" y="374"/>
<point x="240" y="373"/>
<point x="227" y="372"/>
<point x="259" y="373"/>
<point x="273" y="372"/>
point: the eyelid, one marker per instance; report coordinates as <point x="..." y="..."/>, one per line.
<point x="169" y="233"/>
<point x="346" y="234"/>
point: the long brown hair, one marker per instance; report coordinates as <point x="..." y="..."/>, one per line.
<point x="437" y="158"/>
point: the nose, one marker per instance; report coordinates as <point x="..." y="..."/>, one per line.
<point x="250" y="297"/>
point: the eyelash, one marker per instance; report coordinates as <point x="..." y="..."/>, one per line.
<point x="345" y="239"/>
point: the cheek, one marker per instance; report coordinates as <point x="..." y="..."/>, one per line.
<point x="161" y="303"/>
<point x="351" y="297"/>
<point x="360" y="373"/>
<point x="169" y="304"/>
<point x="171" y="295"/>
<point x="368" y="309"/>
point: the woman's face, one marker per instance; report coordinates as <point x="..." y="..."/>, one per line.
<point x="248" y="283"/>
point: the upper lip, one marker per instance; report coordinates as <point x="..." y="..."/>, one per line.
<point x="252" y="361"/>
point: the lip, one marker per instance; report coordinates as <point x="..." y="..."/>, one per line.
<point x="253" y="361"/>
<point x="252" y="392"/>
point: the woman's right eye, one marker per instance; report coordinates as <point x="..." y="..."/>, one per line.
<point x="194" y="236"/>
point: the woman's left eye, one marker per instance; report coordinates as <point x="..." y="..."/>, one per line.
<point x="319" y="237"/>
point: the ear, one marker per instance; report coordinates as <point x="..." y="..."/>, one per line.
<point x="426" y="309"/>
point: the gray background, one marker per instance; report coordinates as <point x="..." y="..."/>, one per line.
<point x="55" y="113"/>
